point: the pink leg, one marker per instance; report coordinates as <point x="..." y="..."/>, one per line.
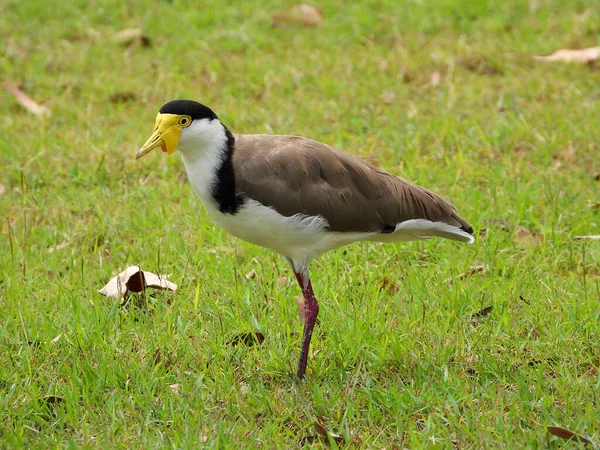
<point x="311" y="310"/>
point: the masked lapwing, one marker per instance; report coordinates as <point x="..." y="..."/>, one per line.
<point x="295" y="196"/>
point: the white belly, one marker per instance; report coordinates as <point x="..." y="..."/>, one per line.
<point x="299" y="237"/>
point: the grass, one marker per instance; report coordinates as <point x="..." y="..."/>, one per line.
<point x="511" y="141"/>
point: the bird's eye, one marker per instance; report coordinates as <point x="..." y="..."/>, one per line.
<point x="185" y="121"/>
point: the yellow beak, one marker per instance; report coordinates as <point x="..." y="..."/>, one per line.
<point x="166" y="135"/>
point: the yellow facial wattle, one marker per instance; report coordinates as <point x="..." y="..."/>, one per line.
<point x="167" y="132"/>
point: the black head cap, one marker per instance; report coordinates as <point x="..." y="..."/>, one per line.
<point x="188" y="108"/>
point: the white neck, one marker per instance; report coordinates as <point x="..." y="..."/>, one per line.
<point x="203" y="148"/>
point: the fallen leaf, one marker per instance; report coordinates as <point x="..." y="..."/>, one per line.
<point x="324" y="434"/>
<point x="525" y="236"/>
<point x="435" y="78"/>
<point x="585" y="55"/>
<point x="475" y="268"/>
<point x="175" y="388"/>
<point x="301" y="14"/>
<point x="133" y="279"/>
<point x="569" y="435"/>
<point x="300" y="305"/>
<point x="25" y="101"/>
<point x="248" y="339"/>
<point x="482" y="313"/>
<point x="250" y="275"/>
<point x="56" y="339"/>
<point x="591" y="238"/>
<point x="131" y="36"/>
<point x="388" y="285"/>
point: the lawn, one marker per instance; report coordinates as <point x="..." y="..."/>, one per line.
<point x="444" y="93"/>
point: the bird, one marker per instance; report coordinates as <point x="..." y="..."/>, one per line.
<point x="295" y="196"/>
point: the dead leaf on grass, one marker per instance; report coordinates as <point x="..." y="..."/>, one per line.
<point x="175" y="388"/>
<point x="131" y="36"/>
<point x="25" y="101"/>
<point x="569" y="435"/>
<point x="326" y="435"/>
<point x="585" y="55"/>
<point x="525" y="236"/>
<point x="56" y="339"/>
<point x="482" y="313"/>
<point x="388" y="285"/>
<point x="302" y="14"/>
<point x="593" y="237"/>
<point x="250" y="275"/>
<point x="133" y="279"/>
<point x="475" y="268"/>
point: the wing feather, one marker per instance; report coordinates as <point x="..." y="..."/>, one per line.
<point x="296" y="175"/>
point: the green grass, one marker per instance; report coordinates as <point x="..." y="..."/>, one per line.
<point x="507" y="139"/>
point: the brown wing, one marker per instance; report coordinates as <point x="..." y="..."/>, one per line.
<point x="297" y="175"/>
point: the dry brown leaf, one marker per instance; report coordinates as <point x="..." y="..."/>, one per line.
<point x="388" y="285"/>
<point x="25" y="101"/>
<point x="175" y="388"/>
<point x="569" y="435"/>
<point x="525" y="236"/>
<point x="585" y="55"/>
<point x="593" y="237"/>
<point x="250" y="275"/>
<point x="475" y="268"/>
<point x="324" y="434"/>
<point x="133" y="279"/>
<point x="131" y="36"/>
<point x="301" y="14"/>
<point x="482" y="313"/>
<point x="56" y="339"/>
